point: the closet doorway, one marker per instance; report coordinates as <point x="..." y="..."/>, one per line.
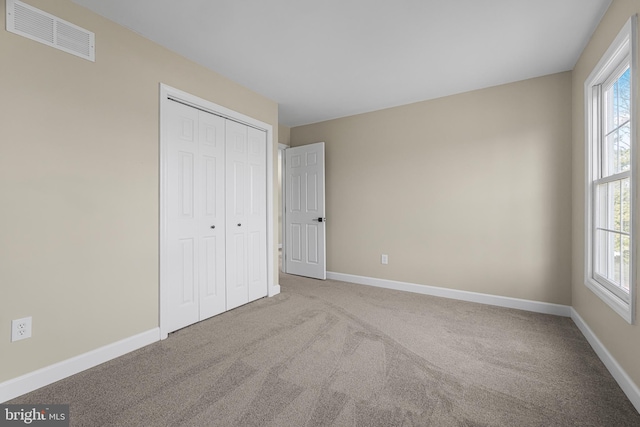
<point x="216" y="227"/>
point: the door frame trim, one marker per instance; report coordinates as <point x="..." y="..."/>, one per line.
<point x="166" y="93"/>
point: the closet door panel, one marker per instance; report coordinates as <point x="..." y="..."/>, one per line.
<point x="256" y="215"/>
<point x="236" y="214"/>
<point x="183" y="239"/>
<point x="211" y="214"/>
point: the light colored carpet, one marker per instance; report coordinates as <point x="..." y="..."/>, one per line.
<point x="337" y="354"/>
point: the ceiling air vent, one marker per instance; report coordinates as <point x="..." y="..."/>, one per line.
<point x="42" y="27"/>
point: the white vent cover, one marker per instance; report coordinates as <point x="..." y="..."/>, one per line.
<point x="42" y="27"/>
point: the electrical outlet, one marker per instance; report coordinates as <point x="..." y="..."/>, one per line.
<point x="384" y="259"/>
<point x="21" y="329"/>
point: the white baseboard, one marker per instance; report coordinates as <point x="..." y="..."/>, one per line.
<point x="624" y="381"/>
<point x="520" y="304"/>
<point x="34" y="380"/>
<point x="274" y="290"/>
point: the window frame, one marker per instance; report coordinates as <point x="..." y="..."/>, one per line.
<point x="623" y="50"/>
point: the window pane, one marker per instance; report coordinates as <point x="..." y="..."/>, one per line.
<point x="610" y="154"/>
<point x="616" y="154"/>
<point x="600" y="214"/>
<point x="600" y="253"/>
<point x="617" y="102"/>
<point x="612" y="258"/>
<point x="623" y="98"/>
<point x="610" y="210"/>
<point x="625" y="205"/>
<point x="617" y="151"/>
<point x="623" y="146"/>
<point x="615" y="188"/>
<point x="604" y="254"/>
<point x="626" y="268"/>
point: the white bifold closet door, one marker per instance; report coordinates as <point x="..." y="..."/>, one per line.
<point x="216" y="179"/>
<point x="246" y="214"/>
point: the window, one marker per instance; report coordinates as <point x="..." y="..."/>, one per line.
<point x="611" y="175"/>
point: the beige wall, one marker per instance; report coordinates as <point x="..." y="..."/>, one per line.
<point x="470" y="192"/>
<point x="79" y="185"/>
<point x="284" y="135"/>
<point x="621" y="339"/>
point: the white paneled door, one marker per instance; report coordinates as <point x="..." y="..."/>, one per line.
<point x="256" y="213"/>
<point x="246" y="225"/>
<point x="215" y="222"/>
<point x="195" y="223"/>
<point x="305" y="222"/>
<point x="211" y="219"/>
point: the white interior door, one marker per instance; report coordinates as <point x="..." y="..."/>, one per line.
<point x="195" y="222"/>
<point x="256" y="214"/>
<point x="246" y="224"/>
<point x="236" y="161"/>
<point x="212" y="221"/>
<point x="305" y="222"/>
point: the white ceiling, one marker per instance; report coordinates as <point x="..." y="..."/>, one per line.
<point x="333" y="58"/>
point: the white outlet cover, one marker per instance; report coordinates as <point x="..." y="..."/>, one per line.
<point x="21" y="329"/>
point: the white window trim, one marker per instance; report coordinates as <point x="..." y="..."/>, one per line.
<point x="623" y="46"/>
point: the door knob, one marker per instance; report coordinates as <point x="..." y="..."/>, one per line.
<point x="321" y="219"/>
<point x="239" y="224"/>
<point x="213" y="226"/>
